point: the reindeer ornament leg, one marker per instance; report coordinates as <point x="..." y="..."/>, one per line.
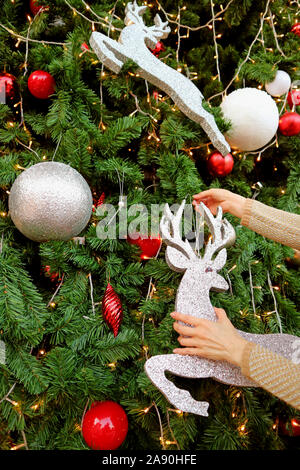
<point x="157" y="366"/>
<point x="107" y="51"/>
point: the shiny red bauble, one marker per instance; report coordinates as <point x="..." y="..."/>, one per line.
<point x="41" y="84"/>
<point x="35" y="7"/>
<point x="289" y="124"/>
<point x="218" y="165"/>
<point x="296" y="29"/>
<point x="8" y="87"/>
<point x="84" y="47"/>
<point x="105" y="426"/>
<point x="149" y="246"/>
<point x="158" y="49"/>
<point x="293" y="98"/>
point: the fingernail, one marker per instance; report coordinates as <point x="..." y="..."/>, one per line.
<point x="172" y="314"/>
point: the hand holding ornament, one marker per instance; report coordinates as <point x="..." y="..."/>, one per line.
<point x="218" y="340"/>
<point x="212" y="198"/>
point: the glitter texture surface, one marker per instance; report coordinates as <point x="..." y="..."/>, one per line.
<point x="200" y="276"/>
<point x="133" y="44"/>
<point x="50" y="201"/>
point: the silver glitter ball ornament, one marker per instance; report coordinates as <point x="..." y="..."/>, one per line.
<point x="50" y="201"/>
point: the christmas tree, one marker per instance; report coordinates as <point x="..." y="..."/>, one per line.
<point x="61" y="299"/>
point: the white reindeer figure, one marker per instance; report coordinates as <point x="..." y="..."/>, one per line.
<point x="133" y="44"/>
<point x="193" y="299"/>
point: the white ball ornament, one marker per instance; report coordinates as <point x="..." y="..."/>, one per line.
<point x="50" y="201"/>
<point x="254" y="118"/>
<point x="280" y="85"/>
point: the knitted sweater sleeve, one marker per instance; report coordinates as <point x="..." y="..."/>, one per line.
<point x="278" y="225"/>
<point x="269" y="370"/>
<point x="273" y="372"/>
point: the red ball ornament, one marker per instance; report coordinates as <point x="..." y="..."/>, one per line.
<point x="289" y="124"/>
<point x="52" y="275"/>
<point x="158" y="49"/>
<point x="84" y="47"/>
<point x="293" y="98"/>
<point x="41" y="84"/>
<point x="105" y="426"/>
<point x="218" y="165"/>
<point x="149" y="245"/>
<point x="98" y="202"/>
<point x="296" y="29"/>
<point x="112" y="309"/>
<point x="8" y="87"/>
<point x="35" y="7"/>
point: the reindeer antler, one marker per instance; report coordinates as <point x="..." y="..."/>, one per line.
<point x="223" y="234"/>
<point x="161" y="29"/>
<point x="174" y="239"/>
<point x="134" y="13"/>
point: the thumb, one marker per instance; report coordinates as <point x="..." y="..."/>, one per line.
<point x="221" y="314"/>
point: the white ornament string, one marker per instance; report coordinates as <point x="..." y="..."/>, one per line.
<point x="149" y="296"/>
<point x="56" y="290"/>
<point x="91" y="293"/>
<point x="57" y="146"/>
<point x="160" y="427"/>
<point x="121" y="203"/>
<point x="215" y="40"/>
<point x="27" y="40"/>
<point x="252" y="292"/>
<point x="275" y="302"/>
<point x="24" y="439"/>
<point x="8" y="393"/>
<point x="275" y="34"/>
<point x="171" y="430"/>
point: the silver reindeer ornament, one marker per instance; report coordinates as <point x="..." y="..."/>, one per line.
<point x="200" y="276"/>
<point x="133" y="44"/>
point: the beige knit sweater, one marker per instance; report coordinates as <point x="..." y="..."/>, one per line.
<point x="271" y="371"/>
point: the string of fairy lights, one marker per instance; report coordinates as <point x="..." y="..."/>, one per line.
<point x="183" y="32"/>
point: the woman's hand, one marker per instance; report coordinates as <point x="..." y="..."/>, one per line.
<point x="213" y="340"/>
<point x="230" y="202"/>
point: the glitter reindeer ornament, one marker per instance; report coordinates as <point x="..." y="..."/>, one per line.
<point x="201" y="275"/>
<point x="133" y="44"/>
